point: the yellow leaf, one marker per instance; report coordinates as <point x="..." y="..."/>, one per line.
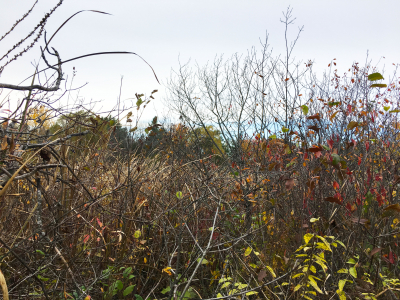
<point x="341" y="294"/>
<point x="271" y="271"/>
<point x="314" y="284"/>
<point x="297" y="287"/>
<point x="307" y="237"/>
<point x="248" y="251"/>
<point x="333" y="116"/>
<point x="167" y="270"/>
<point x="341" y="284"/>
<point x="353" y="272"/>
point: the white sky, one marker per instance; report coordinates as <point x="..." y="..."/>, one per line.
<point x="162" y="31"/>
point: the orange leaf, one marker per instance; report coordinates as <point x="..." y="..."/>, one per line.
<point x="86" y="239"/>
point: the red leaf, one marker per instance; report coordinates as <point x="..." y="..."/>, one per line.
<point x="391" y="259"/>
<point x="98" y="222"/>
<point x="349" y="108"/>
<point x="318" y="154"/>
<point x="336" y="185"/>
<point x="330" y="143"/>
<point x="367" y="146"/>
<point x="359" y="161"/>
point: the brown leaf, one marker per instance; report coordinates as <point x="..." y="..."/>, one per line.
<point x="361" y="221"/>
<point x="289" y="183"/>
<point x="315" y="149"/>
<point x="375" y="250"/>
<point x="4" y="143"/>
<point x="395" y="207"/>
<point x="315" y="128"/>
<point x="314" y="117"/>
<point x="45" y="155"/>
<point x="12" y="144"/>
<point x="262" y="275"/>
<point x="333" y="200"/>
<point x="352" y="125"/>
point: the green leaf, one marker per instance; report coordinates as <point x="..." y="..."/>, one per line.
<point x="273" y="137"/>
<point x="203" y="262"/>
<point x="138" y="297"/>
<point x="379" y="85"/>
<point x="43" y="278"/>
<point x="129" y="290"/>
<point x="127" y="271"/>
<point x="112" y="122"/>
<point x="226" y="284"/>
<point x="137" y="234"/>
<point x="219" y="295"/>
<point x="351" y="261"/>
<point x="304" y="109"/>
<point x="312" y="220"/>
<point x="386" y="108"/>
<point x="375" y="76"/>
<point x="166" y="290"/>
<point x="40" y="252"/>
<point x="248" y="251"/>
<point x="139" y="102"/>
<point x="333" y="104"/>
<point x="353" y="272"/>
<point x="336" y="159"/>
<point x="179" y="195"/>
<point x="284" y="129"/>
<point x="119" y="285"/>
<point x="394" y="111"/>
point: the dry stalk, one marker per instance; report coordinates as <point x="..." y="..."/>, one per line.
<point x="4" y="286"/>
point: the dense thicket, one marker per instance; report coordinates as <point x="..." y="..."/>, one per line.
<point x="273" y="185"/>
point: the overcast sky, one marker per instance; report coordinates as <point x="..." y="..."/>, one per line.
<point x="161" y="31"/>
